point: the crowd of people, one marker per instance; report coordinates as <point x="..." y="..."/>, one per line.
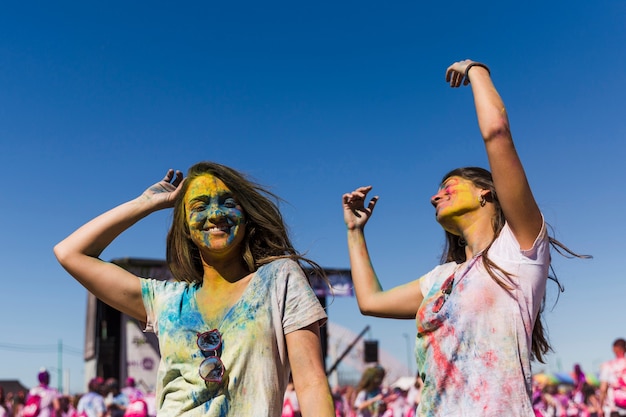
<point x="104" y="398"/>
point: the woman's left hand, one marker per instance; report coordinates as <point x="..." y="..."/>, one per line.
<point x="355" y="213"/>
<point x="455" y="74"/>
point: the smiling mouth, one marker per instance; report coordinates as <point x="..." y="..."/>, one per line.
<point x="217" y="229"/>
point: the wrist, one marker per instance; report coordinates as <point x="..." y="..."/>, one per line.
<point x="476" y="64"/>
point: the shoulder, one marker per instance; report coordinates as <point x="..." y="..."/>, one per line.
<point x="156" y="286"/>
<point x="281" y="268"/>
<point x="436" y="274"/>
<point x="507" y="246"/>
<point x="281" y="264"/>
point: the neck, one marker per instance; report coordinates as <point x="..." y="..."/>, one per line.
<point x="219" y="273"/>
<point x="475" y="245"/>
<point x="477" y="231"/>
<point x="475" y="227"/>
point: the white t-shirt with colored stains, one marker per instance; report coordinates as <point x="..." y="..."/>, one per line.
<point x="474" y="354"/>
<point x="278" y="300"/>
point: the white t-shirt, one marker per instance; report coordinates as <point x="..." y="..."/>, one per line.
<point x="609" y="372"/>
<point x="363" y="396"/>
<point x="92" y="404"/>
<point x="48" y="395"/>
<point x="474" y="354"/>
<point x="278" y="300"/>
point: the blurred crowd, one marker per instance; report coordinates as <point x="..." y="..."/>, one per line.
<point x="566" y="394"/>
<point x="104" y="398"/>
<point x="369" y="398"/>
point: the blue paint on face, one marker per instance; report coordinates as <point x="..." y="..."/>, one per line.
<point x="215" y="219"/>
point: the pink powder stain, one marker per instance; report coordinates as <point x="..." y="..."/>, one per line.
<point x="475" y="394"/>
<point x="490" y="359"/>
<point x="451" y="374"/>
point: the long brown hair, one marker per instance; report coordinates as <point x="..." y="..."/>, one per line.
<point x="454" y="250"/>
<point x="266" y="235"/>
<point x="371" y="379"/>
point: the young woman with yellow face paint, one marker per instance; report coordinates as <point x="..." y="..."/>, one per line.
<point x="240" y="315"/>
<point x="478" y="313"/>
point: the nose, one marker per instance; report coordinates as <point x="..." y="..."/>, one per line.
<point x="215" y="211"/>
<point x="435" y="199"/>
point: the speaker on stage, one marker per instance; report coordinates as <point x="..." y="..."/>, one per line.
<point x="370" y="348"/>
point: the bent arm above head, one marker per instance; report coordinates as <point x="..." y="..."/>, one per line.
<point x="399" y="302"/>
<point x="514" y="193"/>
<point x="78" y="253"/>
<point x="309" y="377"/>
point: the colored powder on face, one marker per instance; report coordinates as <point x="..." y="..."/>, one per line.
<point x="214" y="217"/>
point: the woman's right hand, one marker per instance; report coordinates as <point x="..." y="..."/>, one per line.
<point x="355" y="214"/>
<point x="164" y="192"/>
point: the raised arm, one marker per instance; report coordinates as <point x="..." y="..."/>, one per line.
<point x="78" y="253"/>
<point x="514" y="193"/>
<point x="399" y="302"/>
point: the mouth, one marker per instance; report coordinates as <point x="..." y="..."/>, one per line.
<point x="219" y="229"/>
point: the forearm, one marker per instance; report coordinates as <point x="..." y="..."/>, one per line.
<point x="492" y="117"/>
<point x="400" y="302"/>
<point x="93" y="237"/>
<point x="602" y="397"/>
<point x="366" y="284"/>
<point x="368" y="402"/>
<point x="315" y="398"/>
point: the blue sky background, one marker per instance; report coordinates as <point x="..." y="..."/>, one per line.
<point x="99" y="99"/>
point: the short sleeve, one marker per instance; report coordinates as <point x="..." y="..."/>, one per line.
<point x="428" y="280"/>
<point x="148" y="291"/>
<point x="302" y="307"/>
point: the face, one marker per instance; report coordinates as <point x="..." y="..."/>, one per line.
<point x="455" y="197"/>
<point x="215" y="219"/>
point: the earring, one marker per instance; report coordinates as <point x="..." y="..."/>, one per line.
<point x="483" y="201"/>
<point x="461" y="242"/>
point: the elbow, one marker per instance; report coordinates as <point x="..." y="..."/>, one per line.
<point x="366" y="308"/>
<point x="59" y="252"/>
<point x="498" y="129"/>
<point x="62" y="253"/>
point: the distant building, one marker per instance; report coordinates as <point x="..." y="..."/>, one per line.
<point x="12" y="385"/>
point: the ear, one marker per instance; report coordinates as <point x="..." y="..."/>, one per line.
<point x="486" y="194"/>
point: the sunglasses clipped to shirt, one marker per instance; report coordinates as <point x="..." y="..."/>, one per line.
<point x="448" y="285"/>
<point x="211" y="368"/>
<point x="446" y="290"/>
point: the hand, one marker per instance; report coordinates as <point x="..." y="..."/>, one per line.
<point x="355" y="214"/>
<point x="164" y="192"/>
<point x="455" y="74"/>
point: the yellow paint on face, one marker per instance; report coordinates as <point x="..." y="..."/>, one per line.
<point x="456" y="197"/>
<point x="216" y="220"/>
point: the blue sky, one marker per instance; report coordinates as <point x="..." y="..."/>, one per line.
<point x="98" y="100"/>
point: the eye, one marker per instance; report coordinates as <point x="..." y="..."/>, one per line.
<point x="197" y="207"/>
<point x="230" y="202"/>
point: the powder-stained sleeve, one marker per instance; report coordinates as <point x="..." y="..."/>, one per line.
<point x="148" y="294"/>
<point x="302" y="306"/>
